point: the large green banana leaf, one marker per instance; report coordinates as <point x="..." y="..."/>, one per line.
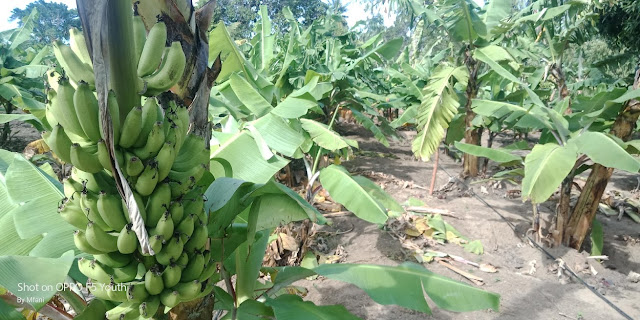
<point x="545" y="168"/>
<point x="292" y="307"/>
<point x="603" y="150"/>
<point x="348" y="192"/>
<point x="406" y="285"/>
<point x="243" y="154"/>
<point x="36" y="245"/>
<point x="497" y="155"/>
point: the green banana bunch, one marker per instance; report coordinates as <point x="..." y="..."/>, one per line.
<point x="160" y="160"/>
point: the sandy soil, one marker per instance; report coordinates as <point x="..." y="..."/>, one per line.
<point x="527" y="281"/>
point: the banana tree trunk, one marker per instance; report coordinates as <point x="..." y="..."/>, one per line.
<point x="471" y="135"/>
<point x="585" y="210"/>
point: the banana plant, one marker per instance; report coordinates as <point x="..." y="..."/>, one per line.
<point x="21" y="78"/>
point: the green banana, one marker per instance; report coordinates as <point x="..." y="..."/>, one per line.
<point x="133" y="166"/>
<point x="71" y="187"/>
<point x="98" y="289"/>
<point x="153" y="281"/>
<point x="155" y="140"/>
<point x="137" y="292"/>
<point x="85" y="158"/>
<point x="207" y="256"/>
<point x="131" y="127"/>
<point x="147" y="180"/>
<point x="114" y="111"/>
<point x="196" y="172"/>
<point x="156" y="242"/>
<point x="179" y="188"/>
<point x="198" y="238"/>
<point x="184" y="119"/>
<point x="183" y="260"/>
<point x="59" y="142"/>
<point x="208" y="271"/>
<point x="110" y="209"/>
<point x="177" y="211"/>
<point x="195" y="205"/>
<point x="95" y="270"/>
<point x="126" y="273"/>
<point x="103" y="155"/>
<point x="80" y="240"/>
<point x="186" y="226"/>
<point x="64" y="111"/>
<point x="116" y="292"/>
<point x="171" y="275"/>
<point x="72" y="64"/>
<point x="150" y="307"/>
<point x="114" y="259"/>
<point x="165" y="158"/>
<point x="171" y="250"/>
<point x="150" y="111"/>
<point x="188" y="290"/>
<point x="170" y="298"/>
<point x="94" y="182"/>
<point x="71" y="212"/>
<point x="128" y="310"/>
<point x="139" y="34"/>
<point x="79" y="46"/>
<point x="151" y="55"/>
<point x="99" y="239"/>
<point x="127" y="241"/>
<point x="169" y="73"/>
<point x="87" y="111"/>
<point x="193" y="270"/>
<point x="157" y="204"/>
<point x="89" y="205"/>
<point x="164" y="227"/>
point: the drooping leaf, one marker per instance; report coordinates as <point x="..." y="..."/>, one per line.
<point x="545" y="168"/>
<point x="279" y="135"/>
<point x="242" y="153"/>
<point x="438" y="107"/>
<point x="95" y="310"/>
<point x="496" y="10"/>
<point x="41" y="274"/>
<point x="295" y="105"/>
<point x="231" y="57"/>
<point x="348" y="192"/>
<point x="292" y="307"/>
<point x="249" y="96"/>
<point x="325" y="137"/>
<point x="594" y="144"/>
<point x="369" y="124"/>
<point x="378" y="194"/>
<point x="391" y="285"/>
<point x="497" y="155"/>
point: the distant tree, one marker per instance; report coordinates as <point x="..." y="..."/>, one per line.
<point x="244" y="13"/>
<point x="619" y="23"/>
<point x="54" y="21"/>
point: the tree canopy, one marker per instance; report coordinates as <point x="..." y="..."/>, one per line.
<point x="54" y="20"/>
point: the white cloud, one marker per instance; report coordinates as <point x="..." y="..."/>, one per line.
<point x="8" y="5"/>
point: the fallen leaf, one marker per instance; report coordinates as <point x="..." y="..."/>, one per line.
<point x="288" y="242"/>
<point x="485" y="267"/>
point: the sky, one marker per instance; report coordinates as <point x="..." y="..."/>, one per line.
<point x="355" y="12"/>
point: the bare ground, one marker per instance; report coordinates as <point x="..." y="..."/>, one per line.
<point x="528" y="282"/>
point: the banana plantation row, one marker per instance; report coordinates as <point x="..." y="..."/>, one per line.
<point x="172" y="193"/>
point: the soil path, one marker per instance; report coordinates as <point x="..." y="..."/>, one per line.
<point x="528" y="282"/>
